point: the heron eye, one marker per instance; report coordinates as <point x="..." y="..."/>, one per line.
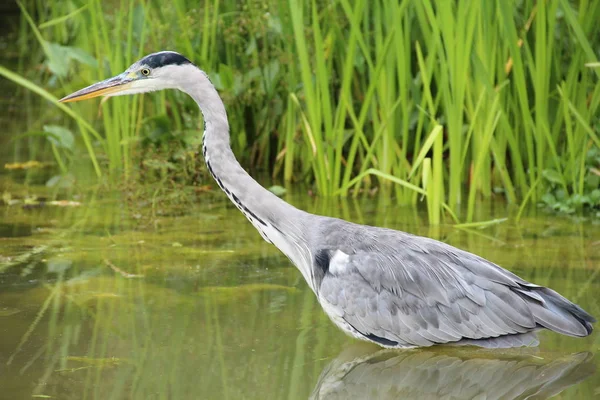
<point x="145" y="72"/>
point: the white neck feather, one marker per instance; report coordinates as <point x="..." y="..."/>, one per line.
<point x="278" y="222"/>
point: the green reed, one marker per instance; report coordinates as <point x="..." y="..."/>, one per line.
<point x="490" y="77"/>
<point x="347" y="95"/>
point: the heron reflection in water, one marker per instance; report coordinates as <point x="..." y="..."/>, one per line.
<point x="380" y="285"/>
<point x="361" y="373"/>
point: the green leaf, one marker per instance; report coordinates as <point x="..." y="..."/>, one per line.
<point x="435" y="132"/>
<point x="57" y="62"/>
<point x="44" y="94"/>
<point x="60" y="136"/>
<point x="251" y="48"/>
<point x="277" y="190"/>
<point x="579" y="200"/>
<point x="592" y="181"/>
<point x="62" y="19"/>
<point x="549" y="199"/>
<point x="553" y="176"/>
<point x="595" y="196"/>
<point x="270" y="72"/>
<point x="77" y="54"/>
<point x="223" y="80"/>
<point x="561" y="195"/>
<point x="139" y="16"/>
<point x="274" y="24"/>
<point x="59" y="58"/>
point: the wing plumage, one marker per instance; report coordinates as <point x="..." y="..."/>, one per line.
<point x="400" y="290"/>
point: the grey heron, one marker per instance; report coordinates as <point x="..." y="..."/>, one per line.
<point x="380" y="285"/>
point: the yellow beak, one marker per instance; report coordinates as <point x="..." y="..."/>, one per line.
<point x="107" y="87"/>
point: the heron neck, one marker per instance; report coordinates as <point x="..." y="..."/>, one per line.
<point x="277" y="221"/>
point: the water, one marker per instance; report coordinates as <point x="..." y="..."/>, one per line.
<point x="120" y="299"/>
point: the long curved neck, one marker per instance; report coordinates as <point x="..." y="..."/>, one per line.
<point x="277" y="221"/>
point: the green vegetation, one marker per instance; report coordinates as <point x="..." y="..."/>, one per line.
<point x="452" y="101"/>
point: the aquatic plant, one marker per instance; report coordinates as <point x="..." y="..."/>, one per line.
<point x="448" y="101"/>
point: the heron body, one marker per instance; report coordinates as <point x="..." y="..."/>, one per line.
<point x="381" y="285"/>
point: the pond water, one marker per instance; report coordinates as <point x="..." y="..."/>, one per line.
<point x="120" y="298"/>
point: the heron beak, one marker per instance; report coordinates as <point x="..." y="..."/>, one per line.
<point x="108" y="87"/>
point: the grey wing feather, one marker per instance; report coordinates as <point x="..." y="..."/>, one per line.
<point x="400" y="290"/>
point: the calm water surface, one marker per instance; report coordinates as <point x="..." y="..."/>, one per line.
<point x="119" y="300"/>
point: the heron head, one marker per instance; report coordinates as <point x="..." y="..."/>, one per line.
<point x="157" y="71"/>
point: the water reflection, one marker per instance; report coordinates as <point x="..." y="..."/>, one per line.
<point x="111" y="302"/>
<point x="361" y="373"/>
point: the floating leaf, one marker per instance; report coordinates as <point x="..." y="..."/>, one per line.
<point x="26" y="165"/>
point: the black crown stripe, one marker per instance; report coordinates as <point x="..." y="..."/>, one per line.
<point x="161" y="59"/>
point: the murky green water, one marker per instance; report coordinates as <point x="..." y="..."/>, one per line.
<point x="119" y="300"/>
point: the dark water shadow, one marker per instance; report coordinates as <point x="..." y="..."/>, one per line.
<point x="361" y="372"/>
